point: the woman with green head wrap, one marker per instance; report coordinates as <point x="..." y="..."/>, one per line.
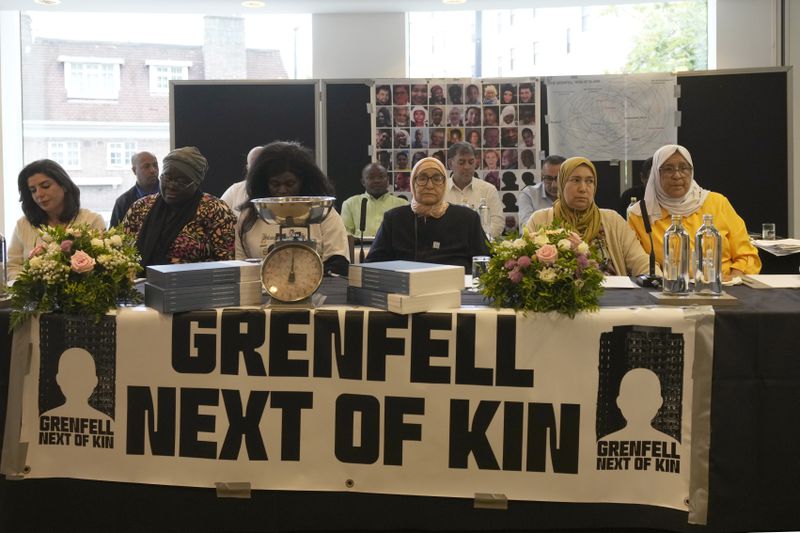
<point x="620" y="252"/>
<point x="181" y="223"/>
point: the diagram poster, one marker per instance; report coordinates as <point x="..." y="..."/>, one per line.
<point x="612" y="117"/>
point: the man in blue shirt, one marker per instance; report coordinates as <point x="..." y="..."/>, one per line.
<point x="540" y="196"/>
<point x="145" y="168"/>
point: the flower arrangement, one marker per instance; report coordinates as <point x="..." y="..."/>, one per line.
<point x="78" y="270"/>
<point x="551" y="269"/>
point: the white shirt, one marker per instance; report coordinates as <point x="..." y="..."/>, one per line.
<point x="235" y="196"/>
<point x="330" y="236"/>
<point x="471" y="196"/>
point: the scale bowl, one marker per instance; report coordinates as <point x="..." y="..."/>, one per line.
<point x="294" y="211"/>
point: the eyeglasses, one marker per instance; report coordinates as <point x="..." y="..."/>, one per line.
<point x="177" y="183"/>
<point x="549" y="179"/>
<point x="680" y="169"/>
<point x="422" y="179"/>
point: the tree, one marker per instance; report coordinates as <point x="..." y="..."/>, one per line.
<point x="674" y="37"/>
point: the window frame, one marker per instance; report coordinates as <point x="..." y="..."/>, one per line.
<point x="153" y="66"/>
<point x="61" y="155"/>
<point x="84" y="90"/>
<point x="126" y="149"/>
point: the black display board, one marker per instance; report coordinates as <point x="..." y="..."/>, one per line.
<point x="226" y="119"/>
<point x="735" y="124"/>
<point x="736" y="127"/>
<point x="348" y="133"/>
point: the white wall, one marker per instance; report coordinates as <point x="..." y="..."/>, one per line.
<point x="747" y="33"/>
<point x="10" y="120"/>
<point x="359" y="45"/>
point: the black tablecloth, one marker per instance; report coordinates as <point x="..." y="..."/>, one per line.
<point x="754" y="465"/>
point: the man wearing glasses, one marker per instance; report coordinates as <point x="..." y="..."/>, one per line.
<point x="540" y="196"/>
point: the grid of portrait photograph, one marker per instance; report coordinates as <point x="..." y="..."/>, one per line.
<point x="420" y="118"/>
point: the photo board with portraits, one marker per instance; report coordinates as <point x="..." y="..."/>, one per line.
<point x="416" y="118"/>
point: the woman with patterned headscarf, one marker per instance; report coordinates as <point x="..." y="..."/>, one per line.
<point x="430" y="229"/>
<point x="181" y="223"/>
<point x="603" y="229"/>
<point x="672" y="190"/>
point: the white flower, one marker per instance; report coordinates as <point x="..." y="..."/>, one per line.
<point x="47" y="238"/>
<point x="547" y="274"/>
<point x="506" y="245"/>
<point x="104" y="258"/>
<point x="98" y="243"/>
<point x="53" y="247"/>
<point x="540" y="239"/>
<point x="582" y="248"/>
<point x="35" y="262"/>
<point x="564" y="244"/>
<point x="519" y="243"/>
<point x="115" y="240"/>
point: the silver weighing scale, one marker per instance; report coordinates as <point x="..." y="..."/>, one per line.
<point x="292" y="271"/>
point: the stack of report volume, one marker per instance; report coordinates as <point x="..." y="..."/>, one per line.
<point x="405" y="287"/>
<point x="191" y="286"/>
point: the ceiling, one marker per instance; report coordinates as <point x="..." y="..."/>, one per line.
<point x="232" y="7"/>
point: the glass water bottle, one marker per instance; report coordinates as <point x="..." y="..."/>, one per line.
<point x="486" y="218"/>
<point x="676" y="258"/>
<point x="708" y="247"/>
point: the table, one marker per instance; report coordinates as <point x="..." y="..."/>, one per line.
<point x="753" y="465"/>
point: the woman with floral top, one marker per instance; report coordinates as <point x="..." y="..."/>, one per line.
<point x="182" y="224"/>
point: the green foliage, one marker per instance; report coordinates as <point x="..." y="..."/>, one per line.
<point x="673" y="38"/>
<point x="549" y="270"/>
<point x="79" y="270"/>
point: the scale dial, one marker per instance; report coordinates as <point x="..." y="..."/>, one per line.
<point x="291" y="272"/>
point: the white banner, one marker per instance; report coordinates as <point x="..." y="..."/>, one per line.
<point x="537" y="407"/>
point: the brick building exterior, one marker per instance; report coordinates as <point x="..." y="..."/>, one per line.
<point x="90" y="105"/>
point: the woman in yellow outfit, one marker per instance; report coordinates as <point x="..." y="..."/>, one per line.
<point x="672" y="190"/>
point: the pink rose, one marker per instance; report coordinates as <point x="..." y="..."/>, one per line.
<point x="515" y="276"/>
<point x="547" y="254"/>
<point x="575" y="239"/>
<point x="510" y="264"/>
<point x="81" y="262"/>
<point x="524" y="261"/>
<point x="66" y="245"/>
<point x="36" y="251"/>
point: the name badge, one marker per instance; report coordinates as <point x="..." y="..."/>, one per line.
<point x="435" y="245"/>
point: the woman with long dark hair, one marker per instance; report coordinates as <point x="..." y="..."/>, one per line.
<point x="49" y="198"/>
<point x="287" y="169"/>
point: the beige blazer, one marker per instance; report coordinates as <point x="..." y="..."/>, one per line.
<point x="627" y="254"/>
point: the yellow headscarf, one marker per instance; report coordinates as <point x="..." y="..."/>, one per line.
<point x="438" y="209"/>
<point x="587" y="222"/>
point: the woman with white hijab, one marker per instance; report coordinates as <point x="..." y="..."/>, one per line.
<point x="430" y="230"/>
<point x="672" y="190"/>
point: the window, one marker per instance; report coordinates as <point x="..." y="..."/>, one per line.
<point x="120" y="154"/>
<point x="91" y="78"/>
<point x="161" y="72"/>
<point x="580" y="39"/>
<point x="117" y="68"/>
<point x="65" y="153"/>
